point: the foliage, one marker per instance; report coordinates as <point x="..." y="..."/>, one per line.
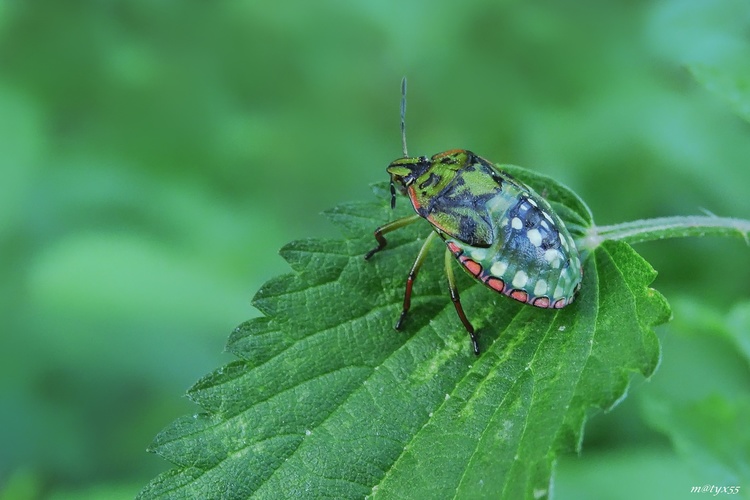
<point x="155" y="155"/>
<point x="363" y="410"/>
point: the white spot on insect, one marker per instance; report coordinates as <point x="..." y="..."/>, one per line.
<point x="558" y="292"/>
<point x="520" y="279"/>
<point x="498" y="268"/>
<point x="553" y="257"/>
<point x="479" y="254"/>
<point x="576" y="264"/>
<point x="547" y="216"/>
<point x="535" y="237"/>
<point x="544" y="225"/>
<point x="504" y="222"/>
<point x="531" y="201"/>
<point x="516" y="223"/>
<point x="540" y="288"/>
<point x="563" y="241"/>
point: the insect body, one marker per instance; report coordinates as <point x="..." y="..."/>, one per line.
<point x="500" y="231"/>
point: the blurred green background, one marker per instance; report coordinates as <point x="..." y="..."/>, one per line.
<point x="154" y="156"/>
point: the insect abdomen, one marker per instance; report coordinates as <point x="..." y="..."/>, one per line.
<point x="532" y="259"/>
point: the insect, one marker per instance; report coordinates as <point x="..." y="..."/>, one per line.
<point x="499" y="230"/>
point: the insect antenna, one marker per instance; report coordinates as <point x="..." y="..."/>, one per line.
<point x="403" y="116"/>
<point x="403" y="136"/>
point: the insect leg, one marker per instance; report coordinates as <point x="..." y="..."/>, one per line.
<point x="387" y="228"/>
<point x="413" y="276"/>
<point x="457" y="300"/>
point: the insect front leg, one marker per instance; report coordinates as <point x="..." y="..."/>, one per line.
<point x="387" y="228"/>
<point x="457" y="300"/>
<point x="413" y="276"/>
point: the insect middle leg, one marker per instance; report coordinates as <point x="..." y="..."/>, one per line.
<point x="457" y="300"/>
<point x="413" y="276"/>
<point x="387" y="228"/>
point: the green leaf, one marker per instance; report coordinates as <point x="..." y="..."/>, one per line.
<point x="730" y="82"/>
<point x="705" y="411"/>
<point x="710" y="39"/>
<point x="738" y="329"/>
<point x="328" y="400"/>
<point x="712" y="433"/>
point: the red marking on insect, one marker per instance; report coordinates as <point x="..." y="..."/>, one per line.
<point x="454" y="248"/>
<point x="519" y="295"/>
<point x="436" y="223"/>
<point x="541" y="302"/>
<point x="496" y="284"/>
<point x="447" y="153"/>
<point x="560" y="303"/>
<point x="472" y="266"/>
<point x="413" y="197"/>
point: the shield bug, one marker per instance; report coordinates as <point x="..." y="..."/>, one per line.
<point x="499" y="230"/>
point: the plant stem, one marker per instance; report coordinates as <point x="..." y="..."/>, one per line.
<point x="665" y="227"/>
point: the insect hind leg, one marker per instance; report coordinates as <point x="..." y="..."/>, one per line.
<point x="412" y="277"/>
<point x="457" y="300"/>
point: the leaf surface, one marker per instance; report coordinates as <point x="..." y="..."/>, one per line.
<point x="327" y="400"/>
